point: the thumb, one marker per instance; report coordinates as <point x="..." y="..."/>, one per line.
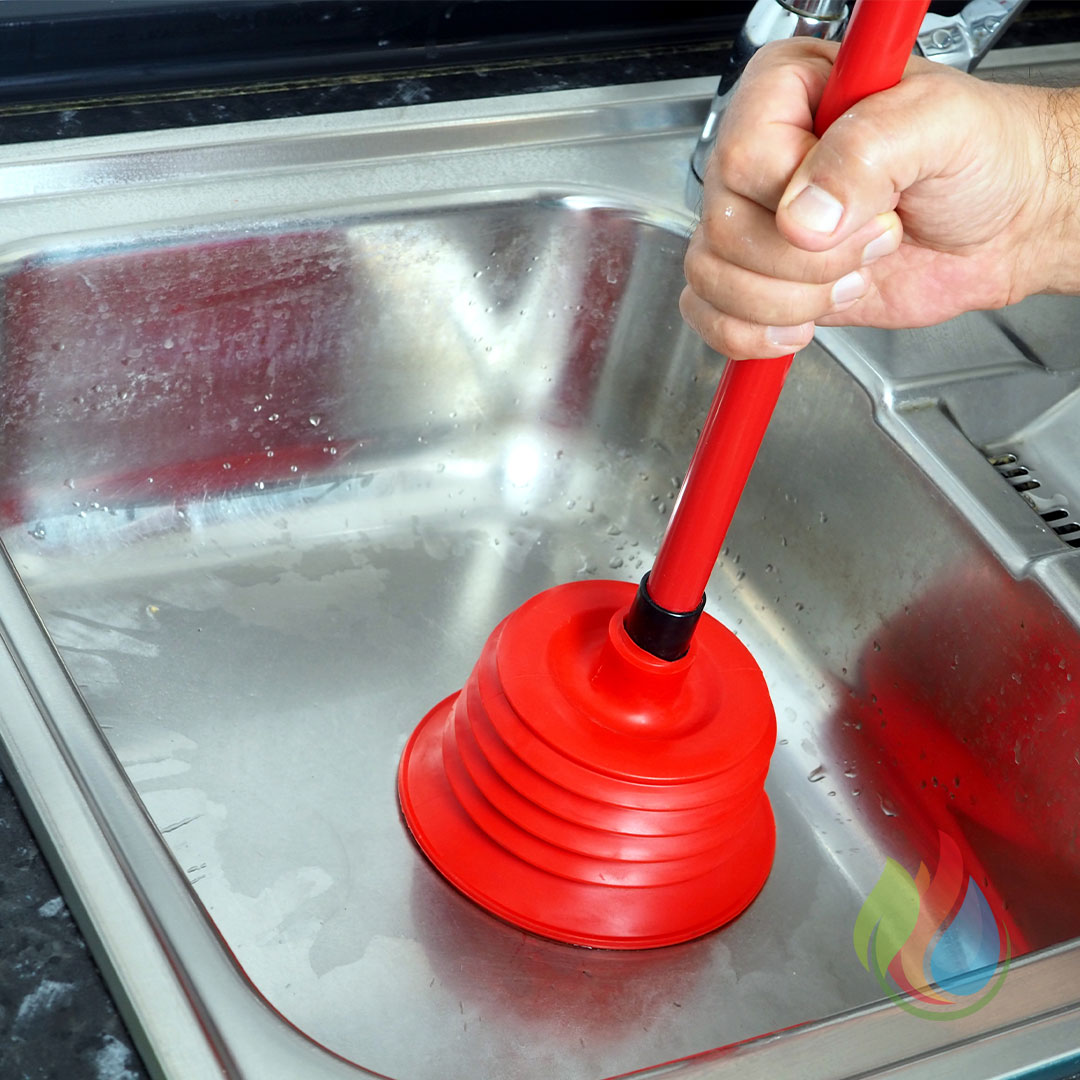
<point x="865" y="161"/>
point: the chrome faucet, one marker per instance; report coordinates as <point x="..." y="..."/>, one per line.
<point x="960" y="41"/>
<point x="768" y="20"/>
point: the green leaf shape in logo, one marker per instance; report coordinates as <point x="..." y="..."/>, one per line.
<point x="893" y="908"/>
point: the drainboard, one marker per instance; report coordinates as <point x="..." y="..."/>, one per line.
<point x="270" y="479"/>
<point x="1053" y="509"/>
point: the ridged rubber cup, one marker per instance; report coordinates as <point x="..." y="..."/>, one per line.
<point x="586" y="791"/>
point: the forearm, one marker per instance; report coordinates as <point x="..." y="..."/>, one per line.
<point x="1056" y="254"/>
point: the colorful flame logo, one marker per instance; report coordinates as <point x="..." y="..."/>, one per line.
<point x="932" y="942"/>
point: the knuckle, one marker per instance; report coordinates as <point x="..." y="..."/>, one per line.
<point x="734" y="161"/>
<point x="859" y="138"/>
<point x="708" y="323"/>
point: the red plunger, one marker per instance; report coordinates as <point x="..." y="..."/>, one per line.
<point x="600" y="779"/>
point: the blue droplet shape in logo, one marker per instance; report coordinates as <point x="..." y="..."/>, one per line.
<point x="962" y="960"/>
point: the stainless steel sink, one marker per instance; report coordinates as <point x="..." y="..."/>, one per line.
<point x="294" y="412"/>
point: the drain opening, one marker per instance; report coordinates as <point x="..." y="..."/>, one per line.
<point x="1059" y="518"/>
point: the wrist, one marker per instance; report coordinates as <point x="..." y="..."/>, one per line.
<point x="1054" y="262"/>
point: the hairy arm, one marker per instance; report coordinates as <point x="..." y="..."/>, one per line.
<point x="941" y="195"/>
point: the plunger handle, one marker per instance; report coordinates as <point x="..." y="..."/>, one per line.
<point x="872" y="57"/>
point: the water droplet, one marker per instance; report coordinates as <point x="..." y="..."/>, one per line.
<point x="258" y="485"/>
<point x="38" y="531"/>
<point x="816" y="774"/>
<point x="226" y="465"/>
<point x="887" y="807"/>
<point x="333" y="450"/>
<point x="69" y="483"/>
<point x="274" y="416"/>
<point x="849" y="771"/>
<point x="314" y="421"/>
<point x="256" y="408"/>
<point x="614" y="530"/>
<point x="292" y="468"/>
<point x="823" y="517"/>
<point x="615" y="562"/>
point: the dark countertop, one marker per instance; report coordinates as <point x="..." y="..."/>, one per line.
<point x="22" y="122"/>
<point x="57" y="1019"/>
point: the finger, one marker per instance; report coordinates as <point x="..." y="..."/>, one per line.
<point x="737" y="338"/>
<point x="739" y="231"/>
<point x="862" y="165"/>
<point x="754" y="297"/>
<point x="767" y="128"/>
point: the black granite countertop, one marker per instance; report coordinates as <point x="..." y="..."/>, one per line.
<point x="57" y="1019"/>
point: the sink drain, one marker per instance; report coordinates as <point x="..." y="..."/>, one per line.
<point x="1020" y="478"/>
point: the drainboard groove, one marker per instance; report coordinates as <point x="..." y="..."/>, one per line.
<point x="1020" y="479"/>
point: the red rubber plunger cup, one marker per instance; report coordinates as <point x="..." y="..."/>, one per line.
<point x="600" y="779"/>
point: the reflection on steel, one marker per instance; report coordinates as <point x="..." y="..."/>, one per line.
<point x="432" y="406"/>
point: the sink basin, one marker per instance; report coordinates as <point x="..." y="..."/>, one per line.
<point x="295" y="412"/>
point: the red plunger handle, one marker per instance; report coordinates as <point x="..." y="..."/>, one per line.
<point x="876" y="47"/>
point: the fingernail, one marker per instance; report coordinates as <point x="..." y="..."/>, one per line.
<point x="849" y="287"/>
<point x="885" y="244"/>
<point x="786" y="337"/>
<point x="815" y="209"/>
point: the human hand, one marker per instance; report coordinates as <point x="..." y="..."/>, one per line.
<point x="941" y="195"/>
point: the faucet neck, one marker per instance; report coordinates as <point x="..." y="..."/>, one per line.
<point x="768" y="20"/>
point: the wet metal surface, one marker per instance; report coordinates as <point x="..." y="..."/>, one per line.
<point x="269" y="487"/>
